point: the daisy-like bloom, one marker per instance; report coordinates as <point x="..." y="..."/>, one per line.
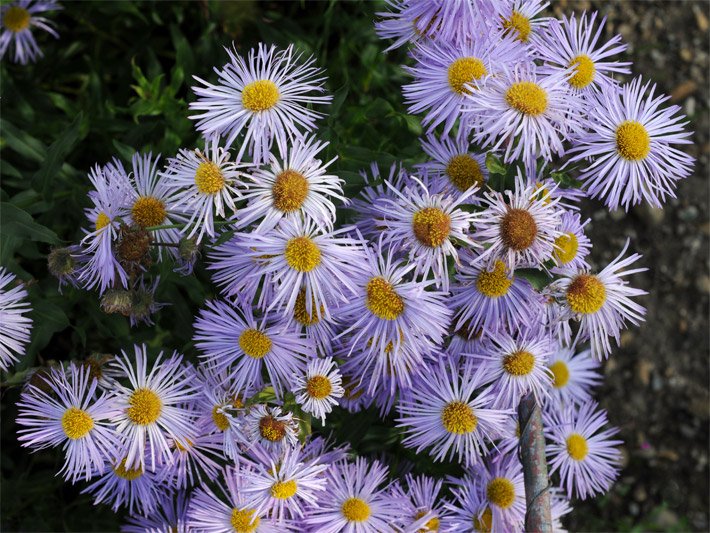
<point x="193" y="460"/>
<point x="318" y="331"/>
<point x="600" y="302"/>
<point x="68" y="414"/>
<point x="585" y="455"/>
<point x="517" y="365"/>
<point x="453" y="160"/>
<point x="209" y="512"/>
<point x="572" y="42"/>
<point x="629" y="143"/>
<point x="392" y="322"/>
<point x="446" y="415"/>
<point x="518" y="18"/>
<point x="469" y="510"/>
<point x="426" y="226"/>
<point x="264" y="96"/>
<point x="295" y="184"/>
<point x="18" y="19"/>
<point x="428" y="506"/>
<point x="574" y="375"/>
<point x="15" y="327"/>
<point x="357" y="502"/>
<point x="231" y="339"/>
<point x="110" y="198"/>
<point x="303" y="256"/>
<point x="448" y="75"/>
<point x="204" y="184"/>
<point x="169" y="515"/>
<point x="527" y="113"/>
<point x="151" y="199"/>
<point x="501" y="489"/>
<point x="559" y="507"/>
<point x="463" y="339"/>
<point x="285" y="485"/>
<point x="572" y="246"/>
<point x="136" y="489"/>
<point x="490" y="298"/>
<point x="319" y="389"/>
<point x="521" y="230"/>
<point x="270" y="428"/>
<point x="152" y="407"/>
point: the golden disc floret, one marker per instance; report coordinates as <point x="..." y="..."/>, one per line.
<point x="560" y="374"/>
<point x="244" y="521"/>
<point x="566" y="247"/>
<point x="431" y="226"/>
<point x="458" y="418"/>
<point x="463" y="71"/>
<point x="76" y="423"/>
<point x="577" y="447"/>
<point x="633" y="142"/>
<point x="302" y="254"/>
<point x="518" y="229"/>
<point x="256" y="344"/>
<point x="148" y="211"/>
<point x="145" y="407"/>
<point x="520" y="24"/>
<point x="584" y="71"/>
<point x="355" y="510"/>
<point x="527" y="97"/>
<point x="129" y="474"/>
<point x="464" y="172"/>
<point x="272" y="429"/>
<point x="501" y="492"/>
<point x="260" y="95"/>
<point x="382" y="299"/>
<point x="318" y="387"/>
<point x="586" y="294"/>
<point x="102" y="220"/>
<point x="290" y="190"/>
<point x="209" y="178"/>
<point x="16" y="19"/>
<point x="494" y="283"/>
<point x="520" y="363"/>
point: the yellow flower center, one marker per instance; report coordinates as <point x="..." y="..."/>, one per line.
<point x="209" y="178"/>
<point x="542" y="192"/>
<point x="145" y="407"/>
<point x="318" y="387"/>
<point x="76" y="423"/>
<point x="584" y="71"/>
<point x="16" y="19"/>
<point x="520" y="23"/>
<point x="632" y="140"/>
<point x="501" y="492"/>
<point x="271" y="429"/>
<point x="577" y="447"/>
<point x="355" y="510"/>
<point x="463" y="71"/>
<point x="519" y="363"/>
<point x="560" y="373"/>
<point x="256" y="344"/>
<point x="464" y="172"/>
<point x="527" y="97"/>
<point x="128" y="474"/>
<point x="290" y="191"/>
<point x="431" y="226"/>
<point x="220" y="419"/>
<point x="300" y="313"/>
<point x="586" y="294"/>
<point x="244" y="521"/>
<point x="302" y="254"/>
<point x="494" y="283"/>
<point x="102" y="220"/>
<point x="382" y="300"/>
<point x="431" y="525"/>
<point x="260" y="95"/>
<point x="566" y="248"/>
<point x="148" y="211"/>
<point x="283" y="490"/>
<point x="484" y="523"/>
<point x="518" y="229"/>
<point x="184" y="446"/>
<point x="458" y="418"/>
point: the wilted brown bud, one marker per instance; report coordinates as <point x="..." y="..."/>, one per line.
<point x="133" y="244"/>
<point x="117" y="301"/>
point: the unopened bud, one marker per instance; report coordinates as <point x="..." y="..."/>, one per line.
<point x="117" y="301"/>
<point x="60" y="262"/>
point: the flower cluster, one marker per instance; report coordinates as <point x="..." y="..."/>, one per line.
<point x="461" y="285"/>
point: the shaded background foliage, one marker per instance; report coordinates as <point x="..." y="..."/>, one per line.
<point x="118" y="80"/>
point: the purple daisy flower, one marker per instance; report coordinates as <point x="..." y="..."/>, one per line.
<point x="64" y="411"/>
<point x="358" y="500"/>
<point x="572" y="246"/>
<point x="169" y="515"/>
<point x="15" y="327"/>
<point x="319" y="331"/>
<point x="469" y="510"/>
<point x="209" y="512"/>
<point x="448" y="75"/>
<point x="319" y="389"/>
<point x="516" y="365"/>
<point x="295" y="184"/>
<point x="445" y="414"/>
<point x="573" y="42"/>
<point x="231" y="339"/>
<point x="426" y="226"/>
<point x="264" y="96"/>
<point x="18" y="20"/>
<point x="629" y="143"/>
<point x="490" y="298"/>
<point x="526" y="112"/>
<point x="521" y="230"/>
<point x="270" y="427"/>
<point x="151" y="409"/>
<point x="193" y="460"/>
<point x="585" y="455"/>
<point x="600" y="302"/>
<point x="518" y="18"/>
<point x="430" y="513"/>
<point x="574" y="375"/>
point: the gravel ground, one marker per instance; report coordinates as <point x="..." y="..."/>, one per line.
<point x="656" y="384"/>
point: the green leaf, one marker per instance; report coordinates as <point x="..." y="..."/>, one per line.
<point x="17" y="223"/>
<point x="537" y="278"/>
<point x="47" y="319"/>
<point x="494" y="164"/>
<point x="56" y="154"/>
<point x="22" y="142"/>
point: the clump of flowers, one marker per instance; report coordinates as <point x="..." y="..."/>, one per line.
<point x="460" y="286"/>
